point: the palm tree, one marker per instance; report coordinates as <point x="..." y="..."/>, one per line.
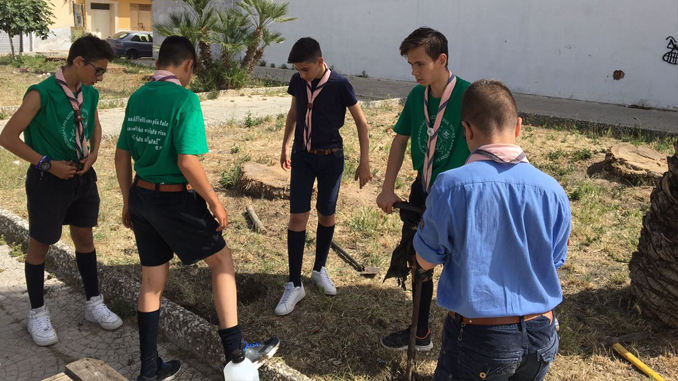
<point x="195" y="22"/>
<point x="654" y="267"/>
<point x="233" y="34"/>
<point x="267" y="39"/>
<point x="261" y="13"/>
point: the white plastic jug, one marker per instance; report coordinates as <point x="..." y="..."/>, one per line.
<point x="240" y="368"/>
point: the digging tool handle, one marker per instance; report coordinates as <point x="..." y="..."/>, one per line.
<point x="345" y="256"/>
<point x="635" y="361"/>
<point x="409" y="207"/>
<point x="411" y="348"/>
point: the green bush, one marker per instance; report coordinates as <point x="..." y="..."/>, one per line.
<point x="219" y="77"/>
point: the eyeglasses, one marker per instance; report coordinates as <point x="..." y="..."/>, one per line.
<point x="98" y="71"/>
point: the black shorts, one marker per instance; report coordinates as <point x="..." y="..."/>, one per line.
<point x="172" y="222"/>
<point x="306" y="168"/>
<point x="54" y="202"/>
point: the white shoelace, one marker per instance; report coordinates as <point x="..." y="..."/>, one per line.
<point x="101" y="312"/>
<point x="326" y="277"/>
<point x="287" y="294"/>
<point x="43" y="323"/>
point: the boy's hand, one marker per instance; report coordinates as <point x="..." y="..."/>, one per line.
<point x="285" y="162"/>
<point x="88" y="162"/>
<point x="126" y="217"/>
<point x="385" y="201"/>
<point x="363" y="173"/>
<point x="63" y="169"/>
<point x="220" y="214"/>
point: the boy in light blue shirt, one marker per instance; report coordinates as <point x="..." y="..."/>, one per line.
<point x="501" y="227"/>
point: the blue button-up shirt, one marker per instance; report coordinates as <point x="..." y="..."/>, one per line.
<point x="501" y="230"/>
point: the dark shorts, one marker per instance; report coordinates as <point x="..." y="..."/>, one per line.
<point x="54" y="202"/>
<point x="306" y="167"/>
<point x="522" y="351"/>
<point x="173" y="222"/>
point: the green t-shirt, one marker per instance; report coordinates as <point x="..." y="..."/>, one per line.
<point x="162" y="120"/>
<point x="52" y="130"/>
<point x="451" y="149"/>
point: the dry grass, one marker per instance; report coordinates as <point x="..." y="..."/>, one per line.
<point x="338" y="337"/>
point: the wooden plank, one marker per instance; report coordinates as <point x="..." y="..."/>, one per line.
<point x="88" y="369"/>
<point x="59" y="377"/>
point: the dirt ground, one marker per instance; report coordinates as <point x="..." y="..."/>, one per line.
<point x="338" y="337"/>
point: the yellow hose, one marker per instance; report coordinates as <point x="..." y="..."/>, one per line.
<point x="635" y="361"/>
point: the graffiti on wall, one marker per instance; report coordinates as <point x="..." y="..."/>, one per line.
<point x="671" y="56"/>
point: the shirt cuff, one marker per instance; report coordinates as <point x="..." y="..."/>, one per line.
<point x="429" y="254"/>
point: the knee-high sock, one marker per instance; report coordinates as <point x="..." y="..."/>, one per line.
<point x="35" y="283"/>
<point x="295" y="254"/>
<point x="87" y="265"/>
<point x="424" y="306"/>
<point x="230" y="340"/>
<point x="322" y="245"/>
<point x="148" y="341"/>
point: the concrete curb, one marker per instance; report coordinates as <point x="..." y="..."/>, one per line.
<point x="183" y="328"/>
<point x="122" y="102"/>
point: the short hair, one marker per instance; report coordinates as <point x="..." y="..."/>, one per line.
<point x="90" y="48"/>
<point x="433" y="42"/>
<point x="305" y="50"/>
<point x="175" y="50"/>
<point x="489" y="106"/>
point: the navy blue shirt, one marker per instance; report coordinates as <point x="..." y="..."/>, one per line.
<point x="329" y="110"/>
<point x="501" y="230"/>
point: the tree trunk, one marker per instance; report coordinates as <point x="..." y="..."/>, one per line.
<point x="251" y="51"/>
<point x="654" y="267"/>
<point x="205" y="55"/>
<point x="11" y="44"/>
<point x="256" y="59"/>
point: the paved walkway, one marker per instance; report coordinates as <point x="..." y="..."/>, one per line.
<point x="609" y="114"/>
<point x="21" y="359"/>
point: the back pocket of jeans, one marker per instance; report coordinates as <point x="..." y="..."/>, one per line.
<point x="475" y="364"/>
<point x="548" y="353"/>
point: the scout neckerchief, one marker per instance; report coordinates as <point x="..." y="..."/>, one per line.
<point x="312" y="95"/>
<point x="432" y="130"/>
<point x="499" y="153"/>
<point x="76" y="102"/>
<point x="165" y="76"/>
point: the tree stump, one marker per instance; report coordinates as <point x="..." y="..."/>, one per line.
<point x="654" y="267"/>
<point x="636" y="164"/>
<point x="263" y="181"/>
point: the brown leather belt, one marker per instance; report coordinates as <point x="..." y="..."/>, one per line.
<point x="500" y="320"/>
<point x="162" y="187"/>
<point x="324" y="151"/>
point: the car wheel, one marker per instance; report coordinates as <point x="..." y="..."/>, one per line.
<point x="132" y="54"/>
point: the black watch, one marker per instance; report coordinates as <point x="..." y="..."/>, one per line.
<point x="45" y="164"/>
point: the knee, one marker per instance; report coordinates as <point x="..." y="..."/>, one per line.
<point x="327" y="221"/>
<point x="298" y="221"/>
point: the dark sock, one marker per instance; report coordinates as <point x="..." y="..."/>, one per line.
<point x="148" y="341"/>
<point x="87" y="265"/>
<point x="322" y="245"/>
<point x="230" y="339"/>
<point x="424" y="307"/>
<point x="35" y="282"/>
<point x="295" y="254"/>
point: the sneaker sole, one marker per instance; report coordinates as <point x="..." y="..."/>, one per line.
<point x="419" y="348"/>
<point x="43" y="342"/>
<point x="172" y="377"/>
<point x="107" y="326"/>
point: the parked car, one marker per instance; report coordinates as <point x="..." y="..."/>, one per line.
<point x="132" y="44"/>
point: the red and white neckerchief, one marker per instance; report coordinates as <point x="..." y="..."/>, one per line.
<point x="500" y="153"/>
<point x="76" y="100"/>
<point x="165" y="76"/>
<point x="432" y="130"/>
<point x="312" y="95"/>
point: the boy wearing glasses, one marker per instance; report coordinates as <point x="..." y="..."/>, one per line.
<point x="164" y="132"/>
<point x="61" y="129"/>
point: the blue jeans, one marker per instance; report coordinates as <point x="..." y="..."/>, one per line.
<point x="515" y="352"/>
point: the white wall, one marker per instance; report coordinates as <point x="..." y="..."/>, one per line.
<point x="559" y="48"/>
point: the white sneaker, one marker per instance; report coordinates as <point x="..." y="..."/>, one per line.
<point x="322" y="279"/>
<point x="97" y="312"/>
<point x="290" y="298"/>
<point x="40" y="327"/>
